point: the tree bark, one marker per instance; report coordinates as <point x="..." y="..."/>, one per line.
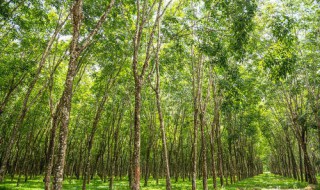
<point x="115" y="151"/>
<point x="203" y="108"/>
<point x="300" y="163"/>
<point x="310" y="173"/>
<point x="66" y="98"/>
<point x="195" y="134"/>
<point x="51" y="152"/>
<point x="139" y="79"/>
<point x="220" y="152"/>
<point x="136" y="152"/>
<point x="204" y="153"/>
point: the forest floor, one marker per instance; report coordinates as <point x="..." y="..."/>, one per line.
<point x="260" y="182"/>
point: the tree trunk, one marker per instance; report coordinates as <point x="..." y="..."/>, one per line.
<point x="204" y="153"/>
<point x="212" y="137"/>
<point x="136" y="150"/>
<point x="220" y="153"/>
<point x="65" y="100"/>
<point x="130" y="169"/>
<point x="91" y="137"/>
<point x="51" y="152"/>
<point x="162" y="127"/>
<point x="300" y="162"/>
<point x="139" y="79"/>
<point x="310" y="173"/>
<point x="195" y="139"/>
<point x="147" y="168"/>
<point x="115" y="150"/>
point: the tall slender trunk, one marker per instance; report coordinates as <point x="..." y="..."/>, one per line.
<point x="151" y="139"/>
<point x="162" y="127"/>
<point x="213" y="132"/>
<point x="310" y="173"/>
<point x="164" y="141"/>
<point x="220" y="152"/>
<point x="230" y="141"/>
<point x="23" y="164"/>
<point x="51" y="152"/>
<point x="213" y="168"/>
<point x="147" y="168"/>
<point x="204" y="153"/>
<point x="203" y="108"/>
<point x="139" y="77"/>
<point x="195" y="139"/>
<point x="65" y="117"/>
<point x="66" y="98"/>
<point x="218" y="133"/>
<point x="300" y="163"/>
<point x="115" y="151"/>
<point x="130" y="168"/>
<point x="293" y="160"/>
<point x="54" y="125"/>
<point x="91" y="137"/>
<point x="136" y="136"/>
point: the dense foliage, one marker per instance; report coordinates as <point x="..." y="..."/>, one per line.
<point x="175" y="89"/>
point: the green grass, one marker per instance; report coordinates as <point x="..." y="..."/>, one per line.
<point x="263" y="181"/>
<point x="268" y="181"/>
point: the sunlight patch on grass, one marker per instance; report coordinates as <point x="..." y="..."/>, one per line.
<point x="260" y="182"/>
